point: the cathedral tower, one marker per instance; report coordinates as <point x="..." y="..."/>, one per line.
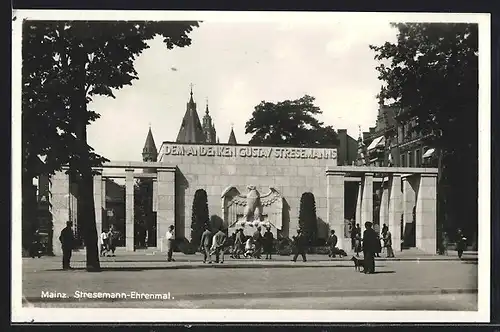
<point x="191" y="130"/>
<point x="232" y="138"/>
<point x="209" y="128"/>
<point x="149" y="152"/>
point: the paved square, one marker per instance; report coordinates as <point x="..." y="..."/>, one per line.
<point x="247" y="283"/>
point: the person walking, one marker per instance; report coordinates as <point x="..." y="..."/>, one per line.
<point x="111" y="241"/>
<point x="239" y="244"/>
<point x="257" y="240"/>
<point x="370" y="247"/>
<point x="170" y="237"/>
<point x="461" y="243"/>
<point x="268" y="243"/>
<point x="357" y="244"/>
<point x="205" y="244"/>
<point x="67" y="240"/>
<point x="388" y="244"/>
<point x="332" y="244"/>
<point x="104" y="242"/>
<point x="219" y="239"/>
<point x="300" y="242"/>
<point x="353" y="235"/>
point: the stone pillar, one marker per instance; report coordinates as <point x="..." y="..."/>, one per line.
<point x="426" y="214"/>
<point x="335" y="205"/>
<point x="409" y="202"/>
<point x="359" y="201"/>
<point x="43" y="188"/>
<point x="367" y="200"/>
<point x="129" y="209"/>
<point x="395" y="210"/>
<point x="384" y="205"/>
<point x="103" y="203"/>
<point x="59" y="200"/>
<point x="98" y="202"/>
<point x="165" y="204"/>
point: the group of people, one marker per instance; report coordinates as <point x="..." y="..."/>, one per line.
<point x="253" y="246"/>
<point x="381" y="243"/>
<point x="108" y="242"/>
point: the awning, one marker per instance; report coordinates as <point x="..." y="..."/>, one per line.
<point x="428" y="153"/>
<point x="379" y="141"/>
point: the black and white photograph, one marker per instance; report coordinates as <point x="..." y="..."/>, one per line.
<point x="250" y="166"/>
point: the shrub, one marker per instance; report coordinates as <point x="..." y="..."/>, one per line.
<point x="199" y="215"/>
<point x="284" y="247"/>
<point x="186" y="247"/>
<point x="307" y="217"/>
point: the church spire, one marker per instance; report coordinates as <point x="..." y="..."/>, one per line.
<point x="149" y="152"/>
<point x="191" y="130"/>
<point x="232" y="137"/>
<point x="208" y="126"/>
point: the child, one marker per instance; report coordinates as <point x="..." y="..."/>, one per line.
<point x="357" y="244"/>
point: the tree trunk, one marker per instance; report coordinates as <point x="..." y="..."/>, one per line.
<point x="84" y="168"/>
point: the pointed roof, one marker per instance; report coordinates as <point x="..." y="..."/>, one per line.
<point x="149" y="145"/>
<point x="232" y="138"/>
<point x="191" y="130"/>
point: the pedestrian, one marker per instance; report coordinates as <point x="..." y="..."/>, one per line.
<point x="268" y="243"/>
<point x="219" y="240"/>
<point x="385" y="229"/>
<point x="378" y="245"/>
<point x="332" y="243"/>
<point x="445" y="243"/>
<point x="370" y="247"/>
<point x="353" y="235"/>
<point x="357" y="244"/>
<point x="239" y="244"/>
<point x="170" y="237"/>
<point x="111" y="240"/>
<point x="104" y="242"/>
<point x="67" y="240"/>
<point x="205" y="244"/>
<point x="300" y="242"/>
<point x="388" y="244"/>
<point x="461" y="243"/>
<point x="257" y="240"/>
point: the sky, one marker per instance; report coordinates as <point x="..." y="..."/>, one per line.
<point x="235" y="66"/>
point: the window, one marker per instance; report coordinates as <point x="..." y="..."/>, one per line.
<point x="411" y="161"/>
<point x="403" y="160"/>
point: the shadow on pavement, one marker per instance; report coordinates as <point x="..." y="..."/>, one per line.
<point x="383" y="272"/>
<point x="209" y="266"/>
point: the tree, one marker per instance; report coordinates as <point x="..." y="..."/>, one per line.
<point x="199" y="215"/>
<point x="290" y="122"/>
<point x="431" y="72"/>
<point x="65" y="63"/>
<point x="307" y="217"/>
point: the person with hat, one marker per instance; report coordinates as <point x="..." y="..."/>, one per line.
<point x="206" y="244"/>
<point x="170" y="237"/>
<point x="257" y="240"/>
<point x="268" y="242"/>
<point x="370" y="247"/>
<point x="67" y="243"/>
<point x="300" y="242"/>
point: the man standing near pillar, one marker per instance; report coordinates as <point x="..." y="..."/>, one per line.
<point x="170" y="237"/>
<point x="67" y="243"/>
<point x="369" y="248"/>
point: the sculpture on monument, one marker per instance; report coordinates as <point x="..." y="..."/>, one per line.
<point x="248" y="210"/>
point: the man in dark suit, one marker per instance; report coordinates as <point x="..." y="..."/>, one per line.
<point x="332" y="243"/>
<point x="67" y="242"/>
<point x="370" y="247"/>
<point x="300" y="242"/>
<point x="205" y="244"/>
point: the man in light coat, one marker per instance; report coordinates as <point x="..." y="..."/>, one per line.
<point x="219" y="240"/>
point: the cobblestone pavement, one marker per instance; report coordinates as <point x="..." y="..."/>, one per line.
<point x="195" y="281"/>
